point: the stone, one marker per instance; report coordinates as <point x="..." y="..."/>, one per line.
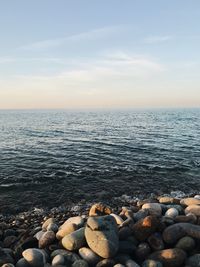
<point x="178" y="207"/>
<point x="88" y="255"/>
<point x="152" y="263"/>
<point x="154" y="209"/>
<point x="124" y="232"/>
<point x="126" y="247"/>
<point x="34" y="257"/>
<point x="169" y="200"/>
<point x="106" y="263"/>
<point x="155" y="241"/>
<point x="99" y="209"/>
<point x="172" y="212"/>
<point x="70" y="226"/>
<point x="142" y="251"/>
<point x="186" y="243"/>
<point x="80" y="263"/>
<point x="47" y="222"/>
<point x="189" y="218"/>
<point x="141" y="214"/>
<point x="102" y="235"/>
<point x="117" y="218"/>
<point x="8" y="265"/>
<point x="145" y="227"/>
<point x="47" y="239"/>
<point x="131" y="263"/>
<point x="58" y="260"/>
<point x="22" y="263"/>
<point x="69" y="256"/>
<point x="39" y="234"/>
<point x="176" y="231"/>
<point x="52" y="227"/>
<point x="9" y="241"/>
<point x="169" y="257"/>
<point x="75" y="240"/>
<point x="193" y="261"/>
<point x="5" y="257"/>
<point x="119" y="265"/>
<point x="195" y="209"/>
<point x="190" y="201"/>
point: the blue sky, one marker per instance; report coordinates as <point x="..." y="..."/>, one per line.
<point x="68" y="54"/>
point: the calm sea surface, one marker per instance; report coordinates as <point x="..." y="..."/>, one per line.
<point x="49" y="157"/>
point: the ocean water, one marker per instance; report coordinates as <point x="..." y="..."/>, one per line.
<point x="54" y="156"/>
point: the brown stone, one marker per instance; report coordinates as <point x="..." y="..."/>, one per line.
<point x="145" y="227"/>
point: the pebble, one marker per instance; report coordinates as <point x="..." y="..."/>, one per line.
<point x="47" y="222"/>
<point x="58" y="260"/>
<point x="145" y="227"/>
<point x="47" y="239"/>
<point x="117" y="218"/>
<point x="70" y="226"/>
<point x="193" y="261"/>
<point x="174" y="232"/>
<point x="195" y="209"/>
<point x="172" y="212"/>
<point x="156" y="242"/>
<point x="80" y="263"/>
<point x="169" y="257"/>
<point x="106" y="263"/>
<point x="152" y="263"/>
<point x="154" y="209"/>
<point x="186" y="243"/>
<point x="102" y="235"/>
<point x="75" y="240"/>
<point x="99" y="209"/>
<point x="34" y="257"/>
<point x="88" y="255"/>
<point x="190" y="201"/>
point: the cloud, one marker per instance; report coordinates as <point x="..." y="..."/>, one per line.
<point x="87" y="36"/>
<point x="157" y="39"/>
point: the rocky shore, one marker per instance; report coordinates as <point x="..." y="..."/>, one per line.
<point x="155" y="232"/>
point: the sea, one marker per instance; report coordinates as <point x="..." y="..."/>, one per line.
<point x="52" y="157"/>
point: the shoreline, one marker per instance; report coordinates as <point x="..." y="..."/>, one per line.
<point x="145" y="230"/>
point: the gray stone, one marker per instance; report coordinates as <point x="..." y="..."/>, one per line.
<point x="106" y="263"/>
<point x="5" y="257"/>
<point x="102" y="235"/>
<point x="58" y="260"/>
<point x="22" y="263"/>
<point x="88" y="255"/>
<point x="52" y="227"/>
<point x="153" y="208"/>
<point x="131" y="263"/>
<point x="194" y="261"/>
<point x="176" y="231"/>
<point x="172" y="212"/>
<point x="80" y="263"/>
<point x="35" y="257"/>
<point x="74" y="240"/>
<point x="186" y="243"/>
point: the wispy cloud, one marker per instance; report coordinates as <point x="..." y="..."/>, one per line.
<point x="157" y="39"/>
<point x="87" y="35"/>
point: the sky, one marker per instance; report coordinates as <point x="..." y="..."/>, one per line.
<point x="99" y="54"/>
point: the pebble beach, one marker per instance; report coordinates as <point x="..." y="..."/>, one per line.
<point x="154" y="232"/>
